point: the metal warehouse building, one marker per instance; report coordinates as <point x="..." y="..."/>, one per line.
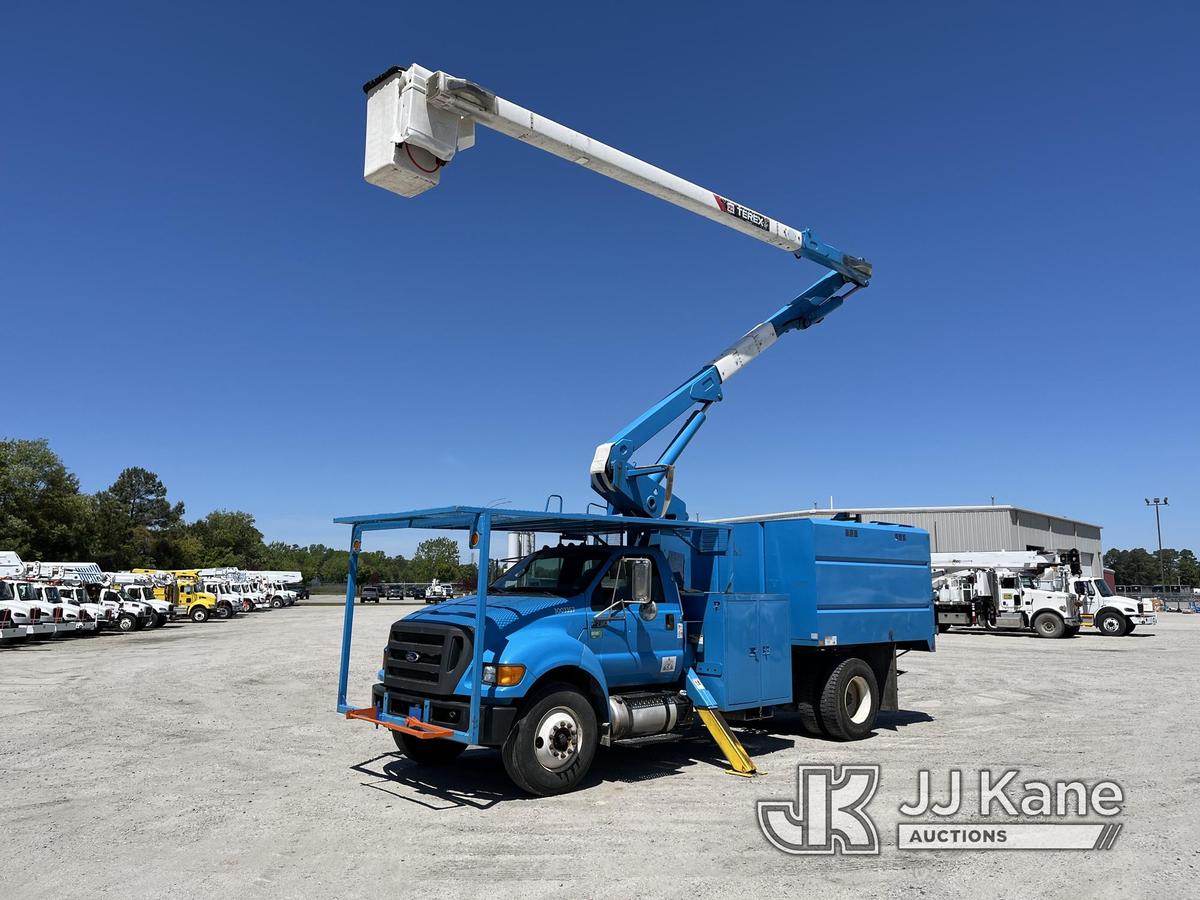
<point x="957" y="528"/>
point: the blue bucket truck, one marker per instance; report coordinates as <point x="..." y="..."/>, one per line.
<point x="636" y="620"/>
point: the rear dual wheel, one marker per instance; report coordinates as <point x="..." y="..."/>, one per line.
<point x="841" y="702"/>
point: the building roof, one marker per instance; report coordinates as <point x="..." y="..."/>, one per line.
<point x="888" y="510"/>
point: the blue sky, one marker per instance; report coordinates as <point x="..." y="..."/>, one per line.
<point x="196" y="279"/>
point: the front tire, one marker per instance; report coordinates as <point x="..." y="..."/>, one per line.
<point x="1112" y="624"/>
<point x="126" y="622"/>
<point x="552" y="744"/>
<point x="428" y="751"/>
<point x="199" y="614"/>
<point x="850" y="701"/>
<point x="224" y="612"/>
<point x="277" y="603"/>
<point x="1048" y="625"/>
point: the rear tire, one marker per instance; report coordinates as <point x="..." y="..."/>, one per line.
<point x="428" y="751"/>
<point x="552" y="744"/>
<point x="1048" y="625"/>
<point x="850" y="701"/>
<point x="199" y="614"/>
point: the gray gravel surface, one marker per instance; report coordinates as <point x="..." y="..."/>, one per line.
<point x="204" y="760"/>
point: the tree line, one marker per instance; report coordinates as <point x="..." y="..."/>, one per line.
<point x="1139" y="566"/>
<point x="131" y="523"/>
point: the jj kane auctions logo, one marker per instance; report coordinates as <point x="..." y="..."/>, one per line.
<point x="829" y="814"/>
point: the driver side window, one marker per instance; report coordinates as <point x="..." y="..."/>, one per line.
<point x="617" y="585"/>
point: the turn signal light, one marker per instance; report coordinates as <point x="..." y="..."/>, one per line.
<point x="503" y="675"/>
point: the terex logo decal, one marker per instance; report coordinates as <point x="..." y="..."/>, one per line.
<point x="758" y="220"/>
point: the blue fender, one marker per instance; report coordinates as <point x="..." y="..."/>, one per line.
<point x="540" y="652"/>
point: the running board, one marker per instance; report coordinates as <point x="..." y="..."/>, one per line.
<point x="706" y="705"/>
<point x="414" y="727"/>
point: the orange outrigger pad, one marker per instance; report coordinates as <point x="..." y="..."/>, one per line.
<point x="414" y="727"/>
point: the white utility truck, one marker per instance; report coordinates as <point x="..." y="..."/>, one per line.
<point x="1109" y="612"/>
<point x="1006" y="589"/>
<point x="69" y="617"/>
<point x="140" y="589"/>
<point x="73" y="580"/>
<point x="20" y="613"/>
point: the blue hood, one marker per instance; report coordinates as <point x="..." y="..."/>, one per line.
<point x="503" y="611"/>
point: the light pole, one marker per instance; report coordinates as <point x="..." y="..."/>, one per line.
<point x="1162" y="566"/>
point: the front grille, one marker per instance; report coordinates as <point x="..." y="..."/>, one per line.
<point x="428" y="657"/>
<point x="35" y="614"/>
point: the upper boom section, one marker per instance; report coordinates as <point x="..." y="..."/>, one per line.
<point x="417" y="120"/>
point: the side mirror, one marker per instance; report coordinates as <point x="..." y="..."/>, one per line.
<point x="641" y="580"/>
<point x="642" y="589"/>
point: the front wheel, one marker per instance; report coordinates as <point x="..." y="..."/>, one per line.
<point x="199" y="614"/>
<point x="224" y="612"/>
<point x="850" y="701"/>
<point x="126" y="622"/>
<point x="552" y="744"/>
<point x="1112" y="624"/>
<point x="428" y="751"/>
<point x="1048" y="625"/>
<point x="277" y="603"/>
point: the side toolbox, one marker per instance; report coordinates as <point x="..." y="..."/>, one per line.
<point x="743" y="652"/>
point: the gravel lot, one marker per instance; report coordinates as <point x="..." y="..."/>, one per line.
<point x="206" y="760"/>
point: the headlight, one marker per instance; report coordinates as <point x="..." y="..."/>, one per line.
<point x="503" y="675"/>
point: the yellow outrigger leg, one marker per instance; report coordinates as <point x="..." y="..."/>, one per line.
<point x="706" y="706"/>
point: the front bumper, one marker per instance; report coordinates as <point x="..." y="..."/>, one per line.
<point x="1144" y="619"/>
<point x="452" y="712"/>
<point x="16" y="631"/>
<point x="40" y="628"/>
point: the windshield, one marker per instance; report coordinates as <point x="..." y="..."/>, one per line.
<point x="1102" y="587"/>
<point x="27" y="593"/>
<point x="5" y="591"/>
<point x="563" y="571"/>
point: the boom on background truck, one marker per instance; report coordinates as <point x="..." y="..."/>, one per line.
<point x="637" y="619"/>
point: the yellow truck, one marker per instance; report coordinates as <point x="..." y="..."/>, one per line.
<point x="183" y="588"/>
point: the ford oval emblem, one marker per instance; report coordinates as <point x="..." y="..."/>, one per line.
<point x="412" y="656"/>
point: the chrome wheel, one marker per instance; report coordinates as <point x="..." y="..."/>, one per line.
<point x="556" y="740"/>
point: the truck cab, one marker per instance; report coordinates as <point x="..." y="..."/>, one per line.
<point x="24" y="614"/>
<point x="164" y="610"/>
<point x="102" y="612"/>
<point x="63" y="613"/>
<point x="229" y="604"/>
<point x="1108" y="612"/>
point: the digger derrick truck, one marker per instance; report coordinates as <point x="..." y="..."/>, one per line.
<point x="635" y="621"/>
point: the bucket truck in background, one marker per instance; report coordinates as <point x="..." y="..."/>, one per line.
<point x="1003" y="589"/>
